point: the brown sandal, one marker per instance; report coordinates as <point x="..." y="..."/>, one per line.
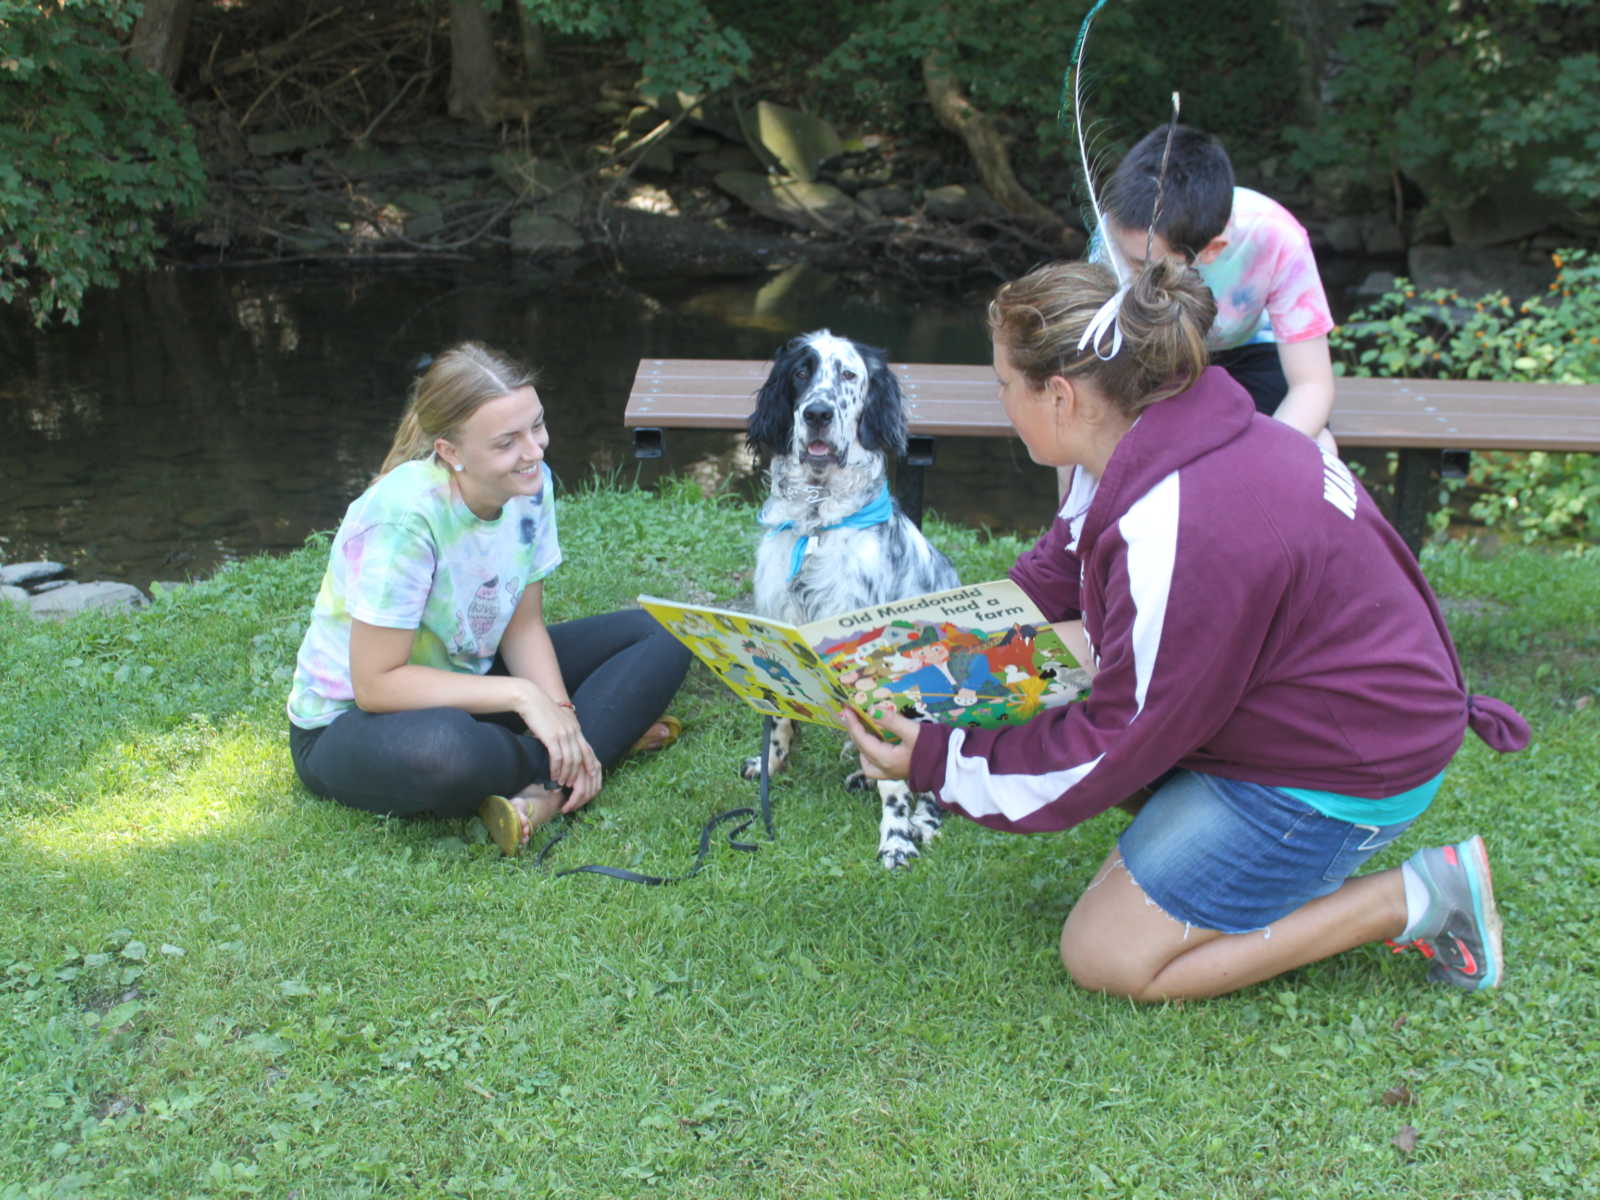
<point x="653" y="740"/>
<point x="505" y="824"/>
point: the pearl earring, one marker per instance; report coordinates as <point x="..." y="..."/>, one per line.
<point x="458" y="466"/>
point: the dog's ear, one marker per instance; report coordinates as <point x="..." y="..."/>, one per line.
<point x="772" y="424"/>
<point x="883" y="421"/>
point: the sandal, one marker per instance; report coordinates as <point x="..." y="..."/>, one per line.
<point x="652" y="740"/>
<point x="505" y="824"/>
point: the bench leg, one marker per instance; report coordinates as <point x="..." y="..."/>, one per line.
<point x="909" y="476"/>
<point x="649" y="442"/>
<point x="1416" y="490"/>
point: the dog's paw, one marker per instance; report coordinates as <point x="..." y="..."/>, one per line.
<point x="927" y="822"/>
<point x="857" y="781"/>
<point x="750" y="768"/>
<point x="896" y="851"/>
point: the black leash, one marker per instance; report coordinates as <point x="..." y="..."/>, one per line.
<point x="722" y="818"/>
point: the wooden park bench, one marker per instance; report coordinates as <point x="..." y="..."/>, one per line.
<point x="1433" y="424"/>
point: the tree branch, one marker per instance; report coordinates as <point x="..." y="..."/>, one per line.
<point x="984" y="142"/>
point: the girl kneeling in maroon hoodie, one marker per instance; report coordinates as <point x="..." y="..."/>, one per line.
<point x="1271" y="668"/>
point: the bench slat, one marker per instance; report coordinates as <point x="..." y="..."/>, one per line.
<point x="948" y="400"/>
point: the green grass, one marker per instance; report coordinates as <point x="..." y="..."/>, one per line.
<point x="214" y="984"/>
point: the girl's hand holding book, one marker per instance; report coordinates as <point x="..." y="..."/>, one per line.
<point x="881" y="759"/>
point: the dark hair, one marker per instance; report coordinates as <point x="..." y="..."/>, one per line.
<point x="1196" y="197"/>
<point x="1164" y="318"/>
<point x="457" y="383"/>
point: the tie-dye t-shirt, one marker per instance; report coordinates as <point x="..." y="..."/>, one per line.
<point x="410" y="554"/>
<point x="1265" y="280"/>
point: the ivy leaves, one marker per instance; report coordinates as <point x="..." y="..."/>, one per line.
<point x="92" y="151"/>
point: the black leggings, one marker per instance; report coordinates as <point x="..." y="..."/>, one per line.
<point x="620" y="669"/>
<point x="1258" y="369"/>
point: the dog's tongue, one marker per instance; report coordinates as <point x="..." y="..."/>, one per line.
<point x="817" y="448"/>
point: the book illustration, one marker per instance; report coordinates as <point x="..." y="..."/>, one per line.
<point x="766" y="663"/>
<point x="978" y="655"/>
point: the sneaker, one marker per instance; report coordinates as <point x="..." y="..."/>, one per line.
<point x="1460" y="931"/>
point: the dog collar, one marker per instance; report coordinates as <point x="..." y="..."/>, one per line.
<point x="875" y="512"/>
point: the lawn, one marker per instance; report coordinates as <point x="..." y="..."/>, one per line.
<point x="214" y="984"/>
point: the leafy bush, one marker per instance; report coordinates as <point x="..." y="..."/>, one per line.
<point x="92" y="151"/>
<point x="1550" y="339"/>
<point x="1466" y="98"/>
<point x="1010" y="58"/>
<point x="680" y="45"/>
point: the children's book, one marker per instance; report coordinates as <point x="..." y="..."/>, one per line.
<point x="977" y="655"/>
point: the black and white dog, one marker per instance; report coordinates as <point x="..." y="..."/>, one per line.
<point x="826" y="420"/>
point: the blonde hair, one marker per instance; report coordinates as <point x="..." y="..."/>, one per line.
<point x="1164" y="317"/>
<point x="459" y="382"/>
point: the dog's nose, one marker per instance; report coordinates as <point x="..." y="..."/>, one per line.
<point x="818" y="415"/>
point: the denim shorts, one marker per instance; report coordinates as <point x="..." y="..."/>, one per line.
<point x="1222" y="854"/>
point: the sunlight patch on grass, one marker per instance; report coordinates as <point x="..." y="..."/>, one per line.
<point x="163" y="790"/>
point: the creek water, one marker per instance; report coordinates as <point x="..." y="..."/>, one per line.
<point x="197" y="416"/>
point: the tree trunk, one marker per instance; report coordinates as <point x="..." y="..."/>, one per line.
<point x="159" y="36"/>
<point x="531" y="29"/>
<point x="1314" y="26"/>
<point x="474" y="70"/>
<point x="984" y="142"/>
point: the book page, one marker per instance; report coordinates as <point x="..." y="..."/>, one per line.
<point x="768" y="664"/>
<point x="977" y="655"/>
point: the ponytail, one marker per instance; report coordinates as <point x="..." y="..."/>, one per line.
<point x="1164" y="317"/>
<point x="409" y="443"/>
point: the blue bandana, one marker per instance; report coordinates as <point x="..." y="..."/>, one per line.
<point x="875" y="512"/>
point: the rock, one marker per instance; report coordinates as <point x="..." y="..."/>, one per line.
<point x="288" y="141"/>
<point x="1376" y="283"/>
<point x="658" y="157"/>
<point x="729" y="158"/>
<point x="1494" y="211"/>
<point x="853" y="179"/>
<point x="717" y="114"/>
<point x="797" y="140"/>
<point x="1475" y="272"/>
<point x="526" y="174"/>
<point x="1343" y="189"/>
<point x="424" y="214"/>
<point x="1380" y="235"/>
<point x="887" y="201"/>
<point x="51" y="585"/>
<point x="23" y="573"/>
<point x="536" y="233"/>
<point x="956" y="202"/>
<point x="813" y="206"/>
<point x="641" y="120"/>
<point x="288" y="176"/>
<point x="14" y="596"/>
<point x="364" y="162"/>
<point x="693" y="143"/>
<point x="84" y="597"/>
<point x="1343" y="235"/>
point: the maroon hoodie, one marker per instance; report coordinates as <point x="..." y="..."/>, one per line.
<point x="1252" y="616"/>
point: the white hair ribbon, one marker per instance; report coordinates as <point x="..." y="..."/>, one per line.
<point x="1105" y="322"/>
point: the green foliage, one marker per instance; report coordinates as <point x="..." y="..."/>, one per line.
<point x="680" y="45"/>
<point x="92" y="152"/>
<point x="1539" y="495"/>
<point x="1010" y="59"/>
<point x="213" y="984"/>
<point x="1553" y="338"/>
<point x="1467" y="97"/>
